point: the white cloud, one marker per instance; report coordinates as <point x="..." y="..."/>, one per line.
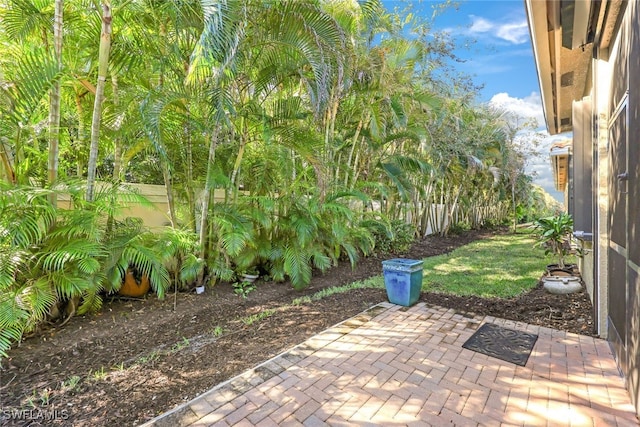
<point x="515" y="32"/>
<point x="479" y="24"/>
<point x="529" y="107"/>
<point x="538" y="166"/>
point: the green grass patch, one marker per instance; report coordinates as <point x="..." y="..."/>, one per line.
<point x="372" y="282"/>
<point x="502" y="266"/>
<point x="250" y="320"/>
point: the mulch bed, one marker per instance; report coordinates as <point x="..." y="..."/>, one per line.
<point x="139" y="358"/>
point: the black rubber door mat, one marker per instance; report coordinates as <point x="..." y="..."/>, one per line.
<point x="502" y="343"/>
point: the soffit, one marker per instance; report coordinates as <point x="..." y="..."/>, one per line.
<point x="559" y="153"/>
<point x="564" y="68"/>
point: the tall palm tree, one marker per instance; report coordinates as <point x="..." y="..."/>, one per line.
<point x="54" y="104"/>
<point x="29" y="70"/>
<point x="276" y="36"/>
<point x="103" y="68"/>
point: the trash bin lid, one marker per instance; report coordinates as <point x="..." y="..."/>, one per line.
<point x="402" y="264"/>
<point x="403" y="261"/>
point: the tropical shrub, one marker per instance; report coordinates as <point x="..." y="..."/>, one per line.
<point x="25" y="296"/>
<point x="60" y="262"/>
<point x="391" y="236"/>
<point x="295" y="106"/>
<point x="460" y="227"/>
<point x="554" y="235"/>
<point x="308" y="234"/>
<point x="178" y="249"/>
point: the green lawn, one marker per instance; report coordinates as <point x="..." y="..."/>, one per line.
<point x="501" y="266"/>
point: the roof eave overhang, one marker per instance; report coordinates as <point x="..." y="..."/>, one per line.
<point x="562" y="58"/>
<point x="560" y="165"/>
<point x="536" y="17"/>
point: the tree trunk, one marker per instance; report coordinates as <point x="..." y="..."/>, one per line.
<point x="117" y="160"/>
<point x="117" y="142"/>
<point x="7" y="162"/>
<point x="189" y="183"/>
<point x="79" y="145"/>
<point x="103" y="67"/>
<point x="356" y="136"/>
<point x="206" y="193"/>
<point x="54" y="103"/>
<point x="166" y="175"/>
<point x="513" y="202"/>
<point x="238" y="162"/>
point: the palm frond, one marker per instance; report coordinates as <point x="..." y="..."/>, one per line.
<point x="57" y="255"/>
<point x="220" y="268"/>
<point x="25" y="216"/>
<point x="147" y="261"/>
<point x="191" y="268"/>
<point x="23" y="18"/>
<point x="91" y="301"/>
<point x="234" y="229"/>
<point x="35" y="74"/>
<point x="411" y="164"/>
<point x="320" y="260"/>
<point x="360" y="195"/>
<point x="219" y="42"/>
<point x="8" y="336"/>
<point x="39" y="296"/>
<point x="305" y="226"/>
<point x="398" y="178"/>
<point x="297" y="266"/>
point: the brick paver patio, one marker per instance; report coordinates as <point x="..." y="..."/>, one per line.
<point x="394" y="366"/>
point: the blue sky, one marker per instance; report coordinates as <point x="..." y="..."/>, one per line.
<point x="501" y="56"/>
<point x="494" y="40"/>
<point x="496" y="47"/>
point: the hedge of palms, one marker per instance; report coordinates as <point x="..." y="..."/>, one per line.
<point x="331" y="127"/>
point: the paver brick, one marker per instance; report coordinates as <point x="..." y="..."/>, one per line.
<point x="306" y="410"/>
<point x="284" y="411"/>
<point x="262" y="412"/>
<point x="405" y="366"/>
<point x="201" y="407"/>
<point x="240" y="413"/>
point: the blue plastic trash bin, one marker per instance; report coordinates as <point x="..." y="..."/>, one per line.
<point x="403" y="280"/>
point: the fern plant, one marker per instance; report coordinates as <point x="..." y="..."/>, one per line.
<point x="177" y="249"/>
<point x="63" y="260"/>
<point x="308" y="234"/>
<point x="46" y="259"/>
<point x="25" y="218"/>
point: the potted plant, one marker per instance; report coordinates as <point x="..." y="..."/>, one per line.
<point x="134" y="284"/>
<point x="554" y="235"/>
<point x="249" y="275"/>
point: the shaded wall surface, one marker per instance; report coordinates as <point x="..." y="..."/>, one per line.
<point x="624" y="201"/>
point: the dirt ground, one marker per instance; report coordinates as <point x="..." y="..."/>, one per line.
<point x="139" y="358"/>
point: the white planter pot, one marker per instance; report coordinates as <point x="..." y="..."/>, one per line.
<point x="199" y="289"/>
<point x="249" y="277"/>
<point x="561" y="285"/>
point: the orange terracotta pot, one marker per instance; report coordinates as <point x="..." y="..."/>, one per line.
<point x="131" y="287"/>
